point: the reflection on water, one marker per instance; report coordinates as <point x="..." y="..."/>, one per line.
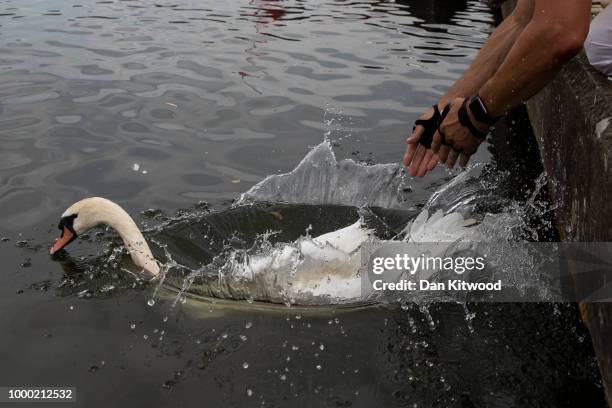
<point x="166" y="103"/>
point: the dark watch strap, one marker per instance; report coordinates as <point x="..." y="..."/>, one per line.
<point x="479" y="110"/>
<point x="465" y="121"/>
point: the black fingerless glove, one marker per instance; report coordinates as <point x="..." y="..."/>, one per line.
<point x="431" y="125"/>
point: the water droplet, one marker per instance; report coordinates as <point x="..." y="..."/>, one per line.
<point x="319" y="367"/>
<point x="165" y="319"/>
<point x="71" y="307"/>
<point x="84" y="294"/>
<point x="283" y="377"/>
<point x="145" y="336"/>
<point x="151" y="302"/>
<point x="245" y="365"/>
<point x="248" y="325"/>
<point x="132" y="326"/>
<point x="249" y="392"/>
<point x="321" y="347"/>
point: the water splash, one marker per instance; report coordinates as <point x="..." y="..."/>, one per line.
<point x="206" y="253"/>
<point x="320" y="179"/>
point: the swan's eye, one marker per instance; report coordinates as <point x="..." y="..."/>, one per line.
<point x="67" y="222"/>
<point x="66" y="225"/>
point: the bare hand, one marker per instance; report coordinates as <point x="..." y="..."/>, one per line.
<point x="418" y="158"/>
<point x="460" y="143"/>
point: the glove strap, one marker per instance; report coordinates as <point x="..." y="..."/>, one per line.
<point x="431" y="125"/>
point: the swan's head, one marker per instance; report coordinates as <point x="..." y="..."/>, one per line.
<point x="91" y="212"/>
<point x="78" y="218"/>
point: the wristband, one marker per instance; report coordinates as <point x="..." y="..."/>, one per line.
<point x="480" y="111"/>
<point x="465" y="121"/>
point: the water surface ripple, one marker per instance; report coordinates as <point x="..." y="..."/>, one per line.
<point x="205" y="98"/>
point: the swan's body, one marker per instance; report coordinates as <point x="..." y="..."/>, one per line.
<point x="91" y="212"/>
<point x="328" y="265"/>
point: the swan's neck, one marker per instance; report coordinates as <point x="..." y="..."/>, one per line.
<point x="116" y="217"/>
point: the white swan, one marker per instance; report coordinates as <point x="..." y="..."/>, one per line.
<point x="324" y="266"/>
<point x="329" y="265"/>
<point x="91" y="212"/>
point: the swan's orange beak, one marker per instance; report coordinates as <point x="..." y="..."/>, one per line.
<point x="64" y="239"/>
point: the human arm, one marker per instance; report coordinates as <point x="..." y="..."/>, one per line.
<point x="418" y="158"/>
<point x="553" y="36"/>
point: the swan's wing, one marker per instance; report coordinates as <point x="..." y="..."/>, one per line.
<point x="437" y="216"/>
<point x="440" y="228"/>
<point x="416" y="226"/>
<point x="347" y="239"/>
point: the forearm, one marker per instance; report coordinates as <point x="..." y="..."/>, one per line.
<point x="492" y="53"/>
<point x="539" y="52"/>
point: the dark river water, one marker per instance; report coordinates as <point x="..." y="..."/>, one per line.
<point x="165" y="104"/>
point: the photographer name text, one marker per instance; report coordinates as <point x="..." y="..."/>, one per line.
<point x="425" y="285"/>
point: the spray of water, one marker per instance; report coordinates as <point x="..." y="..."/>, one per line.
<point x="326" y="269"/>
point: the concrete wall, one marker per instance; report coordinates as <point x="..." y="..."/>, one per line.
<point x="572" y="120"/>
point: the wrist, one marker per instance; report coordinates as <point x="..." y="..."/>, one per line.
<point x="480" y="112"/>
<point x="482" y="126"/>
<point x="467" y="120"/>
<point x="491" y="103"/>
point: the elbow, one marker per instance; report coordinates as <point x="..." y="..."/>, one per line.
<point x="566" y="43"/>
<point x="568" y="46"/>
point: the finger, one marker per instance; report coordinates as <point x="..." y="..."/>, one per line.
<point x="452" y="158"/>
<point x="433" y="162"/>
<point x="464" y="159"/>
<point x="423" y="168"/>
<point x="416" y="161"/>
<point x="443" y="153"/>
<point x="416" y="135"/>
<point x="412" y="145"/>
<point x="408" y="154"/>
<point x="436" y="142"/>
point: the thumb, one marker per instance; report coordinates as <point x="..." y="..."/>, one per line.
<point x="416" y="135"/>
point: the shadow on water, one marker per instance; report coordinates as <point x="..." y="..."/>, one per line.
<point x="435" y="11"/>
